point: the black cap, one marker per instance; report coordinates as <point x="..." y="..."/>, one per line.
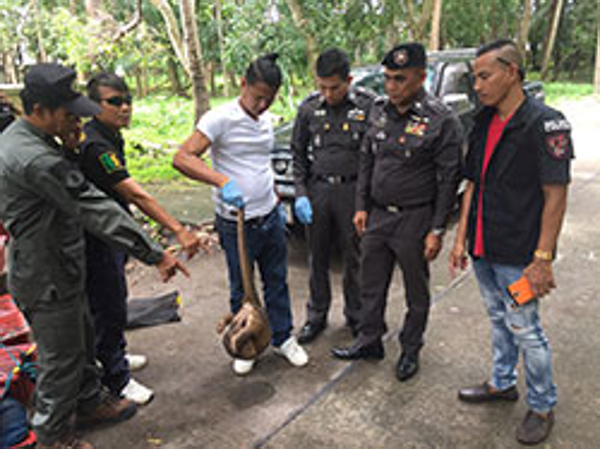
<point x="407" y="55"/>
<point x="53" y="84"/>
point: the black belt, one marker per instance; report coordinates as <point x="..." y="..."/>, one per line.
<point x="395" y="209"/>
<point x="336" y="179"/>
<point x="254" y="221"/>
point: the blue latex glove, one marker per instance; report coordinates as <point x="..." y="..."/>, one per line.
<point x="231" y="194"/>
<point x="303" y="210"/>
<point x="282" y="215"/>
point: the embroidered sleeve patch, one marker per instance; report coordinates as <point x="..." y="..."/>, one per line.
<point x="559" y="145"/>
<point x="110" y="162"/>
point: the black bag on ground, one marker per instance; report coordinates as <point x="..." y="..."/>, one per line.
<point x="144" y="312"/>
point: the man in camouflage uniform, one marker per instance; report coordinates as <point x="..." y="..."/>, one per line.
<point x="46" y="204"/>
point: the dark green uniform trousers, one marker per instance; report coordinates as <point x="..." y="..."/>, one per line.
<point x="67" y="377"/>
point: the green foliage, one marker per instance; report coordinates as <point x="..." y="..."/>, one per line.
<point x="160" y="124"/>
<point x="557" y="92"/>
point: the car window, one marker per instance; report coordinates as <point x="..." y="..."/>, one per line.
<point x="456" y="79"/>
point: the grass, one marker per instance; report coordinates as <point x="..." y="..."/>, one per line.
<point x="161" y="123"/>
<point x="560" y="91"/>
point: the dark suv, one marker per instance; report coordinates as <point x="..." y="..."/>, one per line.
<point x="449" y="76"/>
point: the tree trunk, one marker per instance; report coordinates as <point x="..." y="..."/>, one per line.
<point x="302" y="25"/>
<point x="211" y="74"/>
<point x="174" y="76"/>
<point x="392" y="35"/>
<point x="139" y="83"/>
<point x="434" y="38"/>
<point x="555" y="13"/>
<point x="233" y="80"/>
<point x="194" y="56"/>
<point x="597" y="74"/>
<point x="219" y="20"/>
<point x="172" y="25"/>
<point x="41" y="52"/>
<point x="417" y="28"/>
<point x="523" y="40"/>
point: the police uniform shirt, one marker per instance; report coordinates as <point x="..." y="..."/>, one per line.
<point x="411" y="159"/>
<point x="534" y="150"/>
<point x="326" y="139"/>
<point x="102" y="158"/>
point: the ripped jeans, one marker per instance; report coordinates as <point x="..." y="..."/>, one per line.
<point x="514" y="328"/>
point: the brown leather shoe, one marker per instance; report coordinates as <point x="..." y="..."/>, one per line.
<point x="111" y="410"/>
<point x="484" y="393"/>
<point x="69" y="442"/>
<point x="535" y="428"/>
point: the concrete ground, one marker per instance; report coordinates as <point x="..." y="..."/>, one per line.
<point x="200" y="403"/>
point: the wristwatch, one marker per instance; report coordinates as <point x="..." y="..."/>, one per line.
<point x="540" y="254"/>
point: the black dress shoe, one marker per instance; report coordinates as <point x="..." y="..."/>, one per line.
<point x="310" y="331"/>
<point x="407" y="367"/>
<point x="535" y="428"/>
<point x="373" y="351"/>
<point x="484" y="393"/>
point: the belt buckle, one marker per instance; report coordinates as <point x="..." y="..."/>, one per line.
<point x="335" y="179"/>
<point x="393" y="209"/>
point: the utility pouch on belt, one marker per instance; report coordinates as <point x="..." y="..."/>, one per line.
<point x="520" y="291"/>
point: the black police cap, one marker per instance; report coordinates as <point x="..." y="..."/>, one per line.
<point x="407" y="55"/>
<point x="52" y="84"/>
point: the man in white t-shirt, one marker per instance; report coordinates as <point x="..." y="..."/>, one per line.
<point x="239" y="136"/>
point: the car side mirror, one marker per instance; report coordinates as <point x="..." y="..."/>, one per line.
<point x="458" y="102"/>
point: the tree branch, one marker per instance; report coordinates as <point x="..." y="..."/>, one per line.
<point x="131" y="25"/>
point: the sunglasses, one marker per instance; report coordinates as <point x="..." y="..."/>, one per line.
<point x="119" y="101"/>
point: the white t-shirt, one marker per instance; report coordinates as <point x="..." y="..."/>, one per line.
<point x="240" y="149"/>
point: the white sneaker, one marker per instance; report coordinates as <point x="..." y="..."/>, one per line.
<point x="242" y="367"/>
<point x="136" y="361"/>
<point x="137" y="393"/>
<point x="293" y="352"/>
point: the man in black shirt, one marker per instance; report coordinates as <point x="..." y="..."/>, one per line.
<point x="102" y="159"/>
<point x="518" y="169"/>
<point x="409" y="172"/>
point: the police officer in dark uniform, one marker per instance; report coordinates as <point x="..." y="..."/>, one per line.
<point x="327" y="134"/>
<point x="409" y="173"/>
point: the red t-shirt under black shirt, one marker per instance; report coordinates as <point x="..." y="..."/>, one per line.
<point x="494" y="133"/>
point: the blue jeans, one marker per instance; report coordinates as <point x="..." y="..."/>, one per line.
<point x="267" y="247"/>
<point x="514" y="328"/>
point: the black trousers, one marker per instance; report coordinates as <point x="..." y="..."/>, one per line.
<point x="333" y="211"/>
<point x="106" y="288"/>
<point x="395" y="237"/>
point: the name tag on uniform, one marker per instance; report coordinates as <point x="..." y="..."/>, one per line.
<point x="357" y="114"/>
